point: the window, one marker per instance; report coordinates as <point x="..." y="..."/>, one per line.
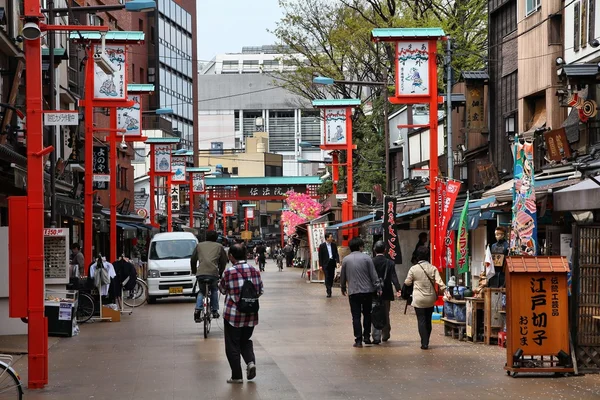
<point x="121" y="178"/>
<point x="555" y="29"/>
<point x="141" y="25"/>
<point x="234" y="170"/>
<point x="142" y="75"/>
<point x="225" y="170"/>
<point x="132" y="72"/>
<point x="250" y="65"/>
<point x="216" y="148"/>
<point x="532" y="6"/>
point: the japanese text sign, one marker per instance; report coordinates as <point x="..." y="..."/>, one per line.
<point x="228" y="208"/>
<point x="447" y="192"/>
<point x="130" y="118"/>
<point x="162" y="158"/>
<point x="61" y="118"/>
<point x="390" y="237"/>
<point x="273" y="191"/>
<point x="539" y="308"/>
<point x="113" y="87"/>
<point x="178" y="169"/>
<point x="100" y="168"/>
<point x="249" y="212"/>
<point x="198" y="183"/>
<point x="335" y="126"/>
<point x="412" y="68"/>
<point x="475" y="107"/>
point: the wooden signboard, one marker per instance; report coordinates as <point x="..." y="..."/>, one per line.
<point x="537" y="315"/>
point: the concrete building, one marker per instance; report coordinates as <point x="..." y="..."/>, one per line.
<point x="239" y="96"/>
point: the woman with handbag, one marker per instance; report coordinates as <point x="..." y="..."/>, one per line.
<point x="423" y="277"/>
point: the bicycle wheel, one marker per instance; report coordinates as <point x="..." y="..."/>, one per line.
<point x="85" y="308"/>
<point x="138" y="295"/>
<point x="10" y="385"/>
<point x="207" y="312"/>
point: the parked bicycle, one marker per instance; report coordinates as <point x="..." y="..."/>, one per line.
<point x="138" y="295"/>
<point x="85" y="308"/>
<point x="10" y="382"/>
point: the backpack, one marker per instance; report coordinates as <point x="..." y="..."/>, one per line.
<point x="248" y="302"/>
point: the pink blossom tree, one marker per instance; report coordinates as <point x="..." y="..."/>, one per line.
<point x="301" y="208"/>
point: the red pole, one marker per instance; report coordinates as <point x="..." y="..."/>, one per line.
<point x="433" y="146"/>
<point x="89" y="155"/>
<point x="152" y="189"/>
<point x="37" y="340"/>
<point x="335" y="159"/>
<point x="112" y="139"/>
<point x="169" y="212"/>
<point x="224" y="219"/>
<point x="349" y="175"/>
<point x="211" y="211"/>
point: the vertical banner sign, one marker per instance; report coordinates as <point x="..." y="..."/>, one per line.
<point x="523" y="234"/>
<point x="412" y="70"/>
<point x="228" y="210"/>
<point x="198" y="186"/>
<point x="162" y="159"/>
<point x="100" y="168"/>
<point x="390" y="237"/>
<point x="249" y="212"/>
<point x="175" y="199"/>
<point x="439" y="239"/>
<point x="447" y="209"/>
<point x="113" y="87"/>
<point x="475" y="110"/>
<point x="335" y="126"/>
<point x="449" y="250"/>
<point x="129" y="118"/>
<point x="462" y="244"/>
<point x="178" y="169"/>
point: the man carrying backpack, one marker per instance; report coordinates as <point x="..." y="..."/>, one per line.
<point x="242" y="286"/>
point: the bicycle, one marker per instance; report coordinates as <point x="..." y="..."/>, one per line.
<point x="10" y="381"/>
<point x="206" y="313"/>
<point x="85" y="308"/>
<point x="138" y="295"/>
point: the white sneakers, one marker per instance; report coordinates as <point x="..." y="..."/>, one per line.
<point x="251" y="371"/>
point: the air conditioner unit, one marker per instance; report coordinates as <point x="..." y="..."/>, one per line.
<point x="363" y="198"/>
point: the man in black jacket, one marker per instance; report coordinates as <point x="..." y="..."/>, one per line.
<point x="328" y="259"/>
<point x="383" y="265"/>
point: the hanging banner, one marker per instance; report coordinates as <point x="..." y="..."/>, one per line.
<point x="439" y="239"/>
<point x="412" y="69"/>
<point x="449" y="250"/>
<point x="475" y="112"/>
<point x="129" y="118"/>
<point x="175" y="200"/>
<point x="390" y="237"/>
<point x="228" y="208"/>
<point x="449" y="195"/>
<point x="162" y="158"/>
<point x="462" y="244"/>
<point x="198" y="183"/>
<point x="557" y="144"/>
<point x="111" y="87"/>
<point x="249" y="212"/>
<point x="100" y="168"/>
<point x="523" y="233"/>
<point x="335" y="126"/>
<point x="178" y="169"/>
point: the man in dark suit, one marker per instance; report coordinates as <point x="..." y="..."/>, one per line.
<point x="385" y="269"/>
<point x="328" y="259"/>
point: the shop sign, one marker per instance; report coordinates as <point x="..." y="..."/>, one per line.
<point x="412" y="69"/>
<point x="111" y="87"/>
<point x="198" y="183"/>
<point x="336" y="126"/>
<point x="557" y="144"/>
<point x="475" y="111"/>
<point x="249" y="212"/>
<point x="272" y="191"/>
<point x="100" y="168"/>
<point x="129" y="118"/>
<point x="162" y="158"/>
<point x="448" y="192"/>
<point x="56" y="255"/>
<point x="175" y="198"/>
<point x="61" y="118"/>
<point x="178" y="169"/>
<point x="390" y="237"/>
<point x="142" y="212"/>
<point x="228" y="208"/>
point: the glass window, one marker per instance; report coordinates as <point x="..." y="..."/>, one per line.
<point x="162" y="77"/>
<point x="173" y="35"/>
<point x="161" y="27"/>
<point x="189" y="22"/>
<point x="167" y="33"/>
<point x="173" y="10"/>
<point x="161" y="6"/>
<point x="163" y="99"/>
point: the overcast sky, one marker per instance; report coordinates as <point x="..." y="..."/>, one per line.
<point x="225" y="26"/>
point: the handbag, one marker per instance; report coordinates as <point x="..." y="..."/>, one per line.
<point x="407" y="292"/>
<point x="430" y="280"/>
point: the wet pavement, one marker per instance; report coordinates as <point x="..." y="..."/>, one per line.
<point x="303" y="348"/>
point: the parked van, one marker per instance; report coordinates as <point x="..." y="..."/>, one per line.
<point x="169" y="271"/>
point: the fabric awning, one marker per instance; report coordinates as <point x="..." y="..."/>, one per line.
<point x="126" y="227"/>
<point x="505" y="190"/>
<point x="582" y="196"/>
<point x="539" y="117"/>
<point x="351" y="222"/>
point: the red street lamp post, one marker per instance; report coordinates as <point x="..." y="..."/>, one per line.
<point x="160" y="166"/>
<point x="197" y="187"/>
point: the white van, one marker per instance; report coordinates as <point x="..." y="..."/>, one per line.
<point x="169" y="271"/>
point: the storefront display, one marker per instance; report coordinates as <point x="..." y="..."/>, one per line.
<point x="60" y="308"/>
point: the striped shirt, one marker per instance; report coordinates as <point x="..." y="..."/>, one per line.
<point x="231" y="286"/>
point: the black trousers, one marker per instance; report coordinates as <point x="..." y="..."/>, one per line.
<point x="424" y="323"/>
<point x="329" y="271"/>
<point x="238" y="343"/>
<point x="360" y="303"/>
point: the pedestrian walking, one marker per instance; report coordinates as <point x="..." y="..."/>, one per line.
<point x="208" y="262"/>
<point x="288" y="250"/>
<point x="329" y="258"/>
<point x="261" y="256"/>
<point x="359" y="271"/>
<point x="423" y="276"/>
<point x="239" y="326"/>
<point x="386" y="271"/>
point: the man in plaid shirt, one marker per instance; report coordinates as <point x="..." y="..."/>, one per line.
<point x="239" y="326"/>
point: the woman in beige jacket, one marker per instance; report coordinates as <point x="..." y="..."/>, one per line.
<point x="422" y="275"/>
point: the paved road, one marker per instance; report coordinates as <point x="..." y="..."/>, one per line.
<point x="304" y="351"/>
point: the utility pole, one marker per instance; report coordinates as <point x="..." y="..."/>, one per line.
<point x="52" y="104"/>
<point x="449" y="107"/>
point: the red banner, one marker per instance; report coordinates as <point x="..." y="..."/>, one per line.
<point x="440" y="233"/>
<point x="449" y="252"/>
<point x="447" y="194"/>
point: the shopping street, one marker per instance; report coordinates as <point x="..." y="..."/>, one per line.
<point x="304" y="350"/>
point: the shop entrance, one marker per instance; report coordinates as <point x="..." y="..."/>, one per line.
<point x="585" y="298"/>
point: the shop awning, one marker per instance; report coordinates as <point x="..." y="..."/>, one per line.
<point x="541" y="185"/>
<point x="375" y="225"/>
<point x="140" y="226"/>
<point x="126" y="227"/>
<point x="582" y="196"/>
<point x="351" y="222"/>
<point x="475" y="213"/>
